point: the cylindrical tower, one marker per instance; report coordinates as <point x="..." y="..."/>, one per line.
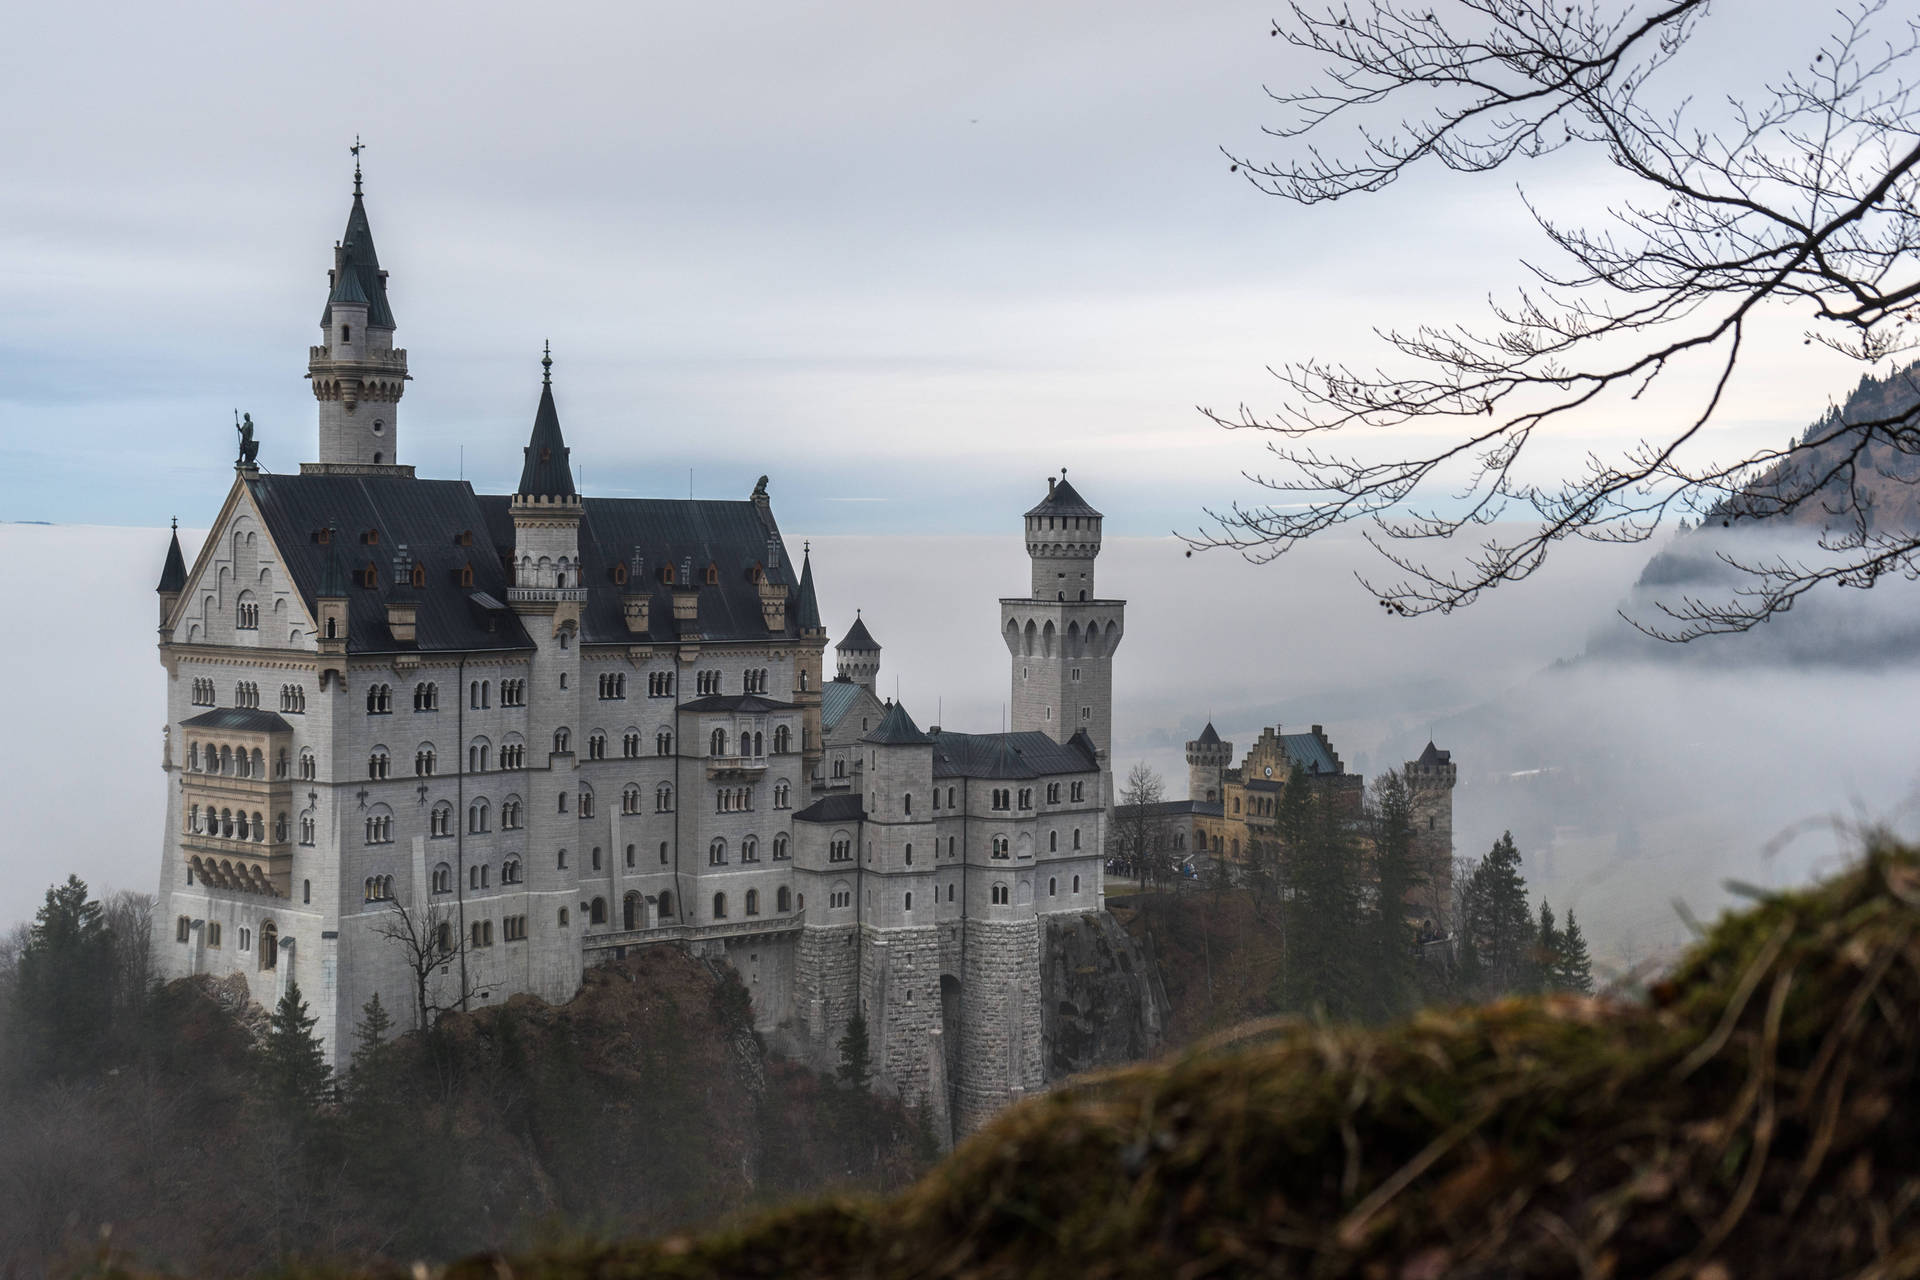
<point x="857" y="656"/>
<point x="1208" y="759"/>
<point x="1063" y="539"/>
<point x="358" y="375"/>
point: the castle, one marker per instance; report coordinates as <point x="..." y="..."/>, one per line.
<point x="1229" y="807"/>
<point x="446" y="747"/>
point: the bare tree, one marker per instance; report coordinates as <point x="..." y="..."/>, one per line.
<point x="130" y="926"/>
<point x="430" y="939"/>
<point x="1796" y="202"/>
<point x="1140" y="832"/>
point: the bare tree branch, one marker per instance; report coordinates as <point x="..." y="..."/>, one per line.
<point x="1800" y="202"/>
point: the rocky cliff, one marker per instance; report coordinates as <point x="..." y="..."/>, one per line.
<point x="1102" y="1000"/>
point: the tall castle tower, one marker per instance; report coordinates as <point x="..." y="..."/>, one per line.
<point x="857" y="656"/>
<point x="358" y="374"/>
<point x="1062" y="636"/>
<point x="1208" y="759"/>
<point x="1431" y="779"/>
<point x="548" y="595"/>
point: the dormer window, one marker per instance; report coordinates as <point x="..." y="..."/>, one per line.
<point x="371" y="537"/>
<point x="546" y="454"/>
<point x="713" y="575"/>
<point x="419" y="575"/>
<point x="466" y="575"/>
<point x="323" y="536"/>
<point x="620" y="574"/>
<point x="464" y="538"/>
<point x="666" y="574"/>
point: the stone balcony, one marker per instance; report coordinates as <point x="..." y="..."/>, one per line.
<point x="243" y="866"/>
<point x="736" y="766"/>
<point x="546" y="595"/>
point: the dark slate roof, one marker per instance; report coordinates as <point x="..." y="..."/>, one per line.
<point x="858" y="639"/>
<point x="752" y="703"/>
<point x="730" y="535"/>
<point x="425" y="515"/>
<point x="1268" y="784"/>
<point x="837" y="698"/>
<point x="1209" y="738"/>
<point x="238" y="718"/>
<point x="333" y="574"/>
<point x="897" y="729"/>
<point x="173" y="574"/>
<point x="1029" y="754"/>
<point x="1062" y="500"/>
<point x="546" y="472"/>
<point x="362" y="264"/>
<point x="1429" y="758"/>
<point x="1170" y="809"/>
<point x="806" y="612"/>
<point x="845" y="807"/>
<point x="1307" y="751"/>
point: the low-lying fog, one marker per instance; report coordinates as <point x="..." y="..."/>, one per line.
<point x="1628" y="781"/>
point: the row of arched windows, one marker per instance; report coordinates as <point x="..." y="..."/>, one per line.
<point x="379" y="699"/>
<point x="293" y="699"/>
<point x="246" y="694"/>
<point x="229" y="824"/>
<point x="426" y="696"/>
<point x="613" y="684"/>
<point x="203" y="695"/>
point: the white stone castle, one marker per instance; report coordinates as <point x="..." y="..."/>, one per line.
<point x="448" y="747"/>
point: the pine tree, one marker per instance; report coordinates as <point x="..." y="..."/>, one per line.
<point x="1498" y="927"/>
<point x="856" y="1061"/>
<point x="1324" y="947"/>
<point x="1546" y="952"/>
<point x="370" y="1033"/>
<point x="292" y="1065"/>
<point x="1391" y="934"/>
<point x="1573" y="967"/>
<point x="64" y="988"/>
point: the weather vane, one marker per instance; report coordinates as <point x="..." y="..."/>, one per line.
<point x="357" y="147"/>
<point x="546" y="364"/>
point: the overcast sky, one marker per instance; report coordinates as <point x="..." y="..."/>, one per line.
<point x="905" y="260"/>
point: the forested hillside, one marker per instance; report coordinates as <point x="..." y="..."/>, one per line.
<point x="200" y="1133"/>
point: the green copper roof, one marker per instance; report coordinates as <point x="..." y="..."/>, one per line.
<point x="897" y="729"/>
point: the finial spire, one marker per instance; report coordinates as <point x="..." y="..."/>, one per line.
<point x="546" y="365"/>
<point x="176" y="523"/>
<point x="357" y="147"/>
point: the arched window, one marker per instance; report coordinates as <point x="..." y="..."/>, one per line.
<point x="719" y="906"/>
<point x="440" y="820"/>
<point x="307" y="829"/>
<point x="1076" y="884"/>
<point x="562" y="742"/>
<point x="717" y="853"/>
<point x="586" y="802"/>
<point x="632" y="912"/>
<point x="780" y="739"/>
<point x="783" y="899"/>
<point x="597" y="912"/>
<point x="280" y="828"/>
<point x="663" y="743"/>
<point x="665" y="905"/>
<point x="442" y="878"/>
<point x="510" y="815"/>
<point x="909" y="853"/>
<point x="756" y="746"/>
<point x="1053" y="841"/>
<point x="1053" y="886"/>
<point x="247" y="613"/>
<point x="908" y="905"/>
<point x="308" y="768"/>
<point x="663" y="798"/>
<point x="560" y="860"/>
<point x="780" y="848"/>
<point x="629" y="855"/>
<point x="510" y="871"/>
<point x="594" y="858"/>
<point x="1076" y="837"/>
<point x="596" y="745"/>
<point x="378" y="763"/>
<point x="753" y="902"/>
<point x="750" y="849"/>
<point x="269" y="945"/>
<point x="477" y="816"/>
<point x="423" y="761"/>
<point x="717" y="744"/>
<point x="630" y="798"/>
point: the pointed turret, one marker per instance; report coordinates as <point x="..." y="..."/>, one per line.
<point x="547" y="472"/>
<point x="173" y="576"/>
<point x="897" y="729"/>
<point x="358" y="374"/>
<point x="857" y="656"/>
<point x="807" y="610"/>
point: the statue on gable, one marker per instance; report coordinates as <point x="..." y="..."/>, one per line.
<point x="249" y="447"/>
<point x="760" y="490"/>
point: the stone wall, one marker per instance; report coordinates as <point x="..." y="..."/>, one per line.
<point x="1000" y="1052"/>
<point x="1101" y="999"/>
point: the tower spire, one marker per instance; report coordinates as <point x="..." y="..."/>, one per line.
<point x="357" y="147"/>
<point x="358" y="374"/>
<point x="546" y="363"/>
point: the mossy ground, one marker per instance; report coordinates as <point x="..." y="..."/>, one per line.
<point x="1756" y="1118"/>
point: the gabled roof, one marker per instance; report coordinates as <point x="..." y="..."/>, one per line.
<point x="897" y="729"/>
<point x="752" y="703"/>
<point x="1428" y="759"/>
<point x="546" y="472"/>
<point x="426" y="516"/>
<point x="1208" y="737"/>
<point x="837" y="697"/>
<point x="1027" y="754"/>
<point x="240" y="718"/>
<point x="858" y="639"/>
<point x="1063" y="500"/>
<point x="173" y="574"/>
<point x="844" y="807"/>
<point x="1309" y="752"/>
<point x="358" y="271"/>
<point x="807" y="608"/>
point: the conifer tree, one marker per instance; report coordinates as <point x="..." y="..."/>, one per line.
<point x="1391" y="936"/>
<point x="1546" y="952"/>
<point x="370" y="1033"/>
<point x="1498" y="927"/>
<point x="1324" y="950"/>
<point x="292" y="1064"/>
<point x="856" y="1060"/>
<point x="64" y="987"/>
<point x="1573" y="967"/>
